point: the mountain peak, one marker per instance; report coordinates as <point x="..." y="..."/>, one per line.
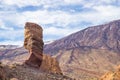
<point x="92" y="51"/>
<point x="106" y="36"/>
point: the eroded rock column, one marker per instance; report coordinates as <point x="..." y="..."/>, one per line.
<point x="33" y="42"/>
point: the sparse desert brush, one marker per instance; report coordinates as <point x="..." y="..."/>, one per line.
<point x="92" y="79"/>
<point x="12" y="66"/>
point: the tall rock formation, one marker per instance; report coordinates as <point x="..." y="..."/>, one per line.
<point x="34" y="44"/>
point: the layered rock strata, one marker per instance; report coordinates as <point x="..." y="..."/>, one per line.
<point x="34" y="44"/>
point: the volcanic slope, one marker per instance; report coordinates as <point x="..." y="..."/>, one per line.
<point x="91" y="51"/>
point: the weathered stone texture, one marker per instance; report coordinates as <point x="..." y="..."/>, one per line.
<point x="34" y="43"/>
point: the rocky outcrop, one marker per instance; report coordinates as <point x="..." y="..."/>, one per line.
<point x="50" y="64"/>
<point x="34" y="43"/>
<point x="115" y="75"/>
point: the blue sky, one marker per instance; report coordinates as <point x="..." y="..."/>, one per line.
<point x="58" y="18"/>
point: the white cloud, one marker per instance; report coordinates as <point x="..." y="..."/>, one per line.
<point x="92" y="3"/>
<point x="53" y="33"/>
<point x="55" y="3"/>
<point x="24" y="3"/>
<point x="41" y="17"/>
<point x="2" y="26"/>
<point x="11" y="34"/>
<point x="21" y="3"/>
<point x="107" y="13"/>
<point x="59" y="31"/>
<point x="20" y="43"/>
<point x="99" y="15"/>
<point x="73" y="1"/>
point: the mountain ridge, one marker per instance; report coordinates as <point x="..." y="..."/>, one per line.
<point x="89" y="33"/>
<point x="94" y="49"/>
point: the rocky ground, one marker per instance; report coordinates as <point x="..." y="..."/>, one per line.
<point x="112" y="75"/>
<point x="24" y="72"/>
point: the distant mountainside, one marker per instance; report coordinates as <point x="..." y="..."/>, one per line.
<point x="48" y="42"/>
<point x="9" y="46"/>
<point x="105" y="36"/>
<point x="10" y="56"/>
<point x="93" y="50"/>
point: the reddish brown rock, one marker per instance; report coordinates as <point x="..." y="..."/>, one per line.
<point x="34" y="43"/>
<point x="115" y="75"/>
<point x="2" y="73"/>
<point x="50" y="64"/>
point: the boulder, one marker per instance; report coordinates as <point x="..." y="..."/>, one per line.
<point x="50" y="64"/>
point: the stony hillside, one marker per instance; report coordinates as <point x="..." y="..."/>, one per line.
<point x="112" y="75"/>
<point x="92" y="51"/>
<point x="106" y="36"/>
<point x="10" y="56"/>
